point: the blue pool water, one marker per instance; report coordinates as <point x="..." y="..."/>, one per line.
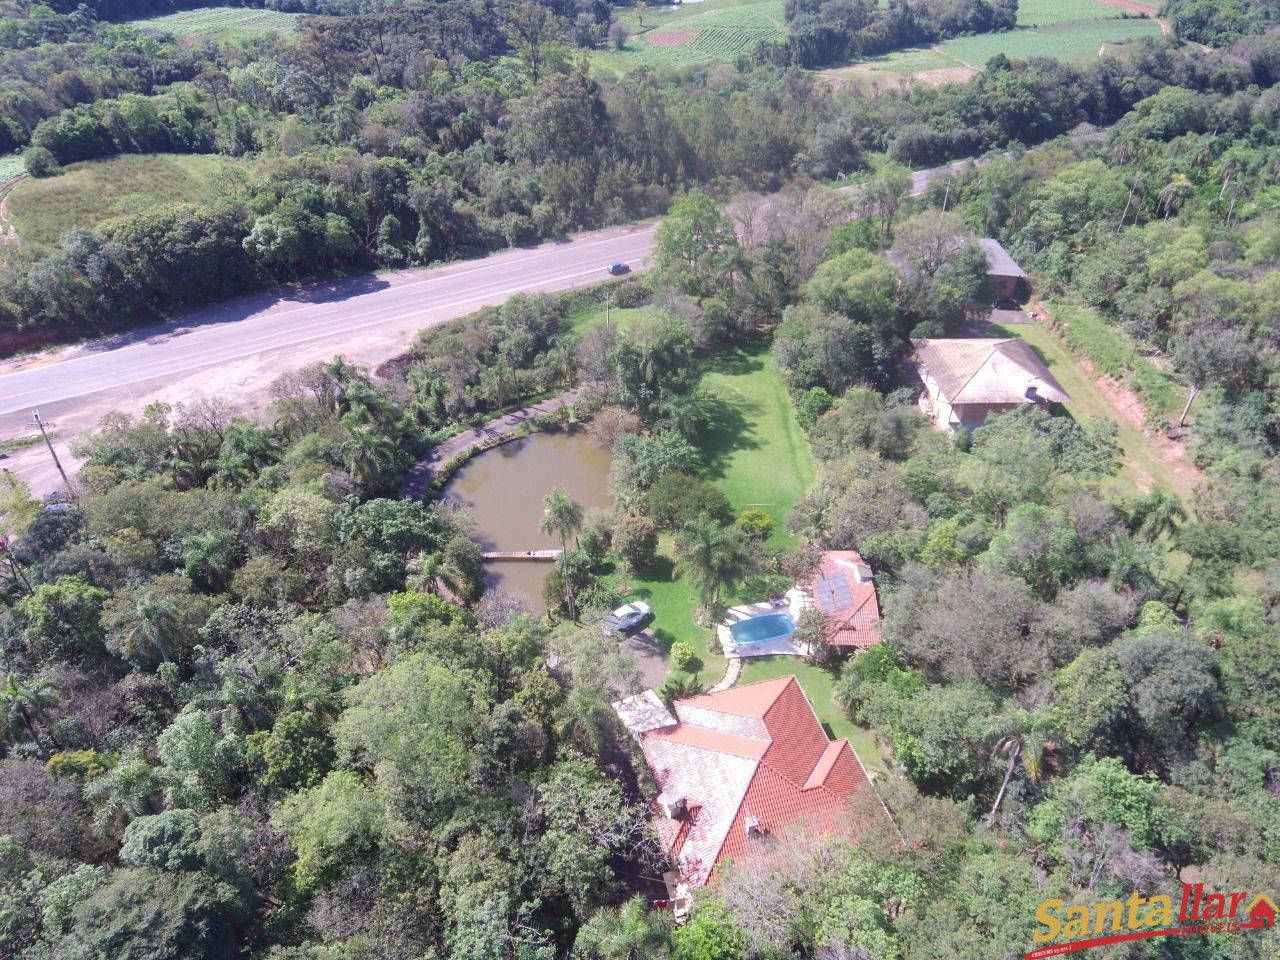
<point x="762" y="629"/>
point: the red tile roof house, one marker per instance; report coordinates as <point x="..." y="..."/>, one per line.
<point x="843" y="589"/>
<point x="736" y="767"/>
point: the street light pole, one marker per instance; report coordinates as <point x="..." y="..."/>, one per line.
<point x="53" y="453"/>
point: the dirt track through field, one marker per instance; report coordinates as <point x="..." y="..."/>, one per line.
<point x="8" y="232"/>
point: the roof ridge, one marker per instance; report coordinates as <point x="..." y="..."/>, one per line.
<point x="978" y="369"/>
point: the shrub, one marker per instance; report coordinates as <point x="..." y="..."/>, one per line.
<point x="813" y="403"/>
<point x="756" y="522"/>
<point x="678" y="499"/>
<point x="635" y="542"/>
<point x="683" y="658"/>
<point x="632" y="293"/>
<point x="40" y="162"/>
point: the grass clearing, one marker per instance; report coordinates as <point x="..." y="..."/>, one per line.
<point x="710" y="31"/>
<point x="88" y="193"/>
<point x="1115" y="354"/>
<point x="221" y="23"/>
<point x="621" y="317"/>
<point x="1068" y="37"/>
<point x="818" y="683"/>
<point x="11" y="165"/>
<point x="1143" y="466"/>
<point x="1038" y="13"/>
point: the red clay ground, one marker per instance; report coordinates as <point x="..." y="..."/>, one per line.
<point x="669" y="38"/>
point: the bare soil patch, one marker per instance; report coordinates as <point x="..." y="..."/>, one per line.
<point x="865" y="74"/>
<point x="669" y="38"/>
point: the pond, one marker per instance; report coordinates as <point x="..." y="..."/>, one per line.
<point x="504" y="487"/>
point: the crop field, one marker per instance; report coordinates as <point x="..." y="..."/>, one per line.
<point x="1072" y="40"/>
<point x="713" y="31"/>
<point x="85" y="194"/>
<point x="223" y="23"/>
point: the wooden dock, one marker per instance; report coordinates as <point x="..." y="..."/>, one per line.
<point x="545" y="555"/>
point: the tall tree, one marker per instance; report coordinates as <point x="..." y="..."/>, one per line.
<point x="562" y="516"/>
<point x="24" y="702"/>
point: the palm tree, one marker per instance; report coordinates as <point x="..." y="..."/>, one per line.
<point x="365" y="453"/>
<point x="680" y="688"/>
<point x="562" y="516"/>
<point x="1021" y="736"/>
<point x="714" y="556"/>
<point x="129" y="790"/>
<point x="629" y="932"/>
<point x="154" y="620"/>
<point x="1157" y="514"/>
<point x="687" y="413"/>
<point x="1174" y="193"/>
<point x="24" y="702"/>
<point x="206" y="557"/>
<point x="424" y="573"/>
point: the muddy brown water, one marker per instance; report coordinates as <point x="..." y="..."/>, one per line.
<point x="504" y="487"/>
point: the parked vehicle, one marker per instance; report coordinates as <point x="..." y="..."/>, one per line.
<point x="628" y="619"/>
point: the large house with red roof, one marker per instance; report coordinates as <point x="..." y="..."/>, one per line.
<point x="735" y="768"/>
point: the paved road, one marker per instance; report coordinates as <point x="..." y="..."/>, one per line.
<point x="233" y="350"/>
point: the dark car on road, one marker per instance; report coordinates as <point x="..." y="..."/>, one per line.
<point x="618" y="268"/>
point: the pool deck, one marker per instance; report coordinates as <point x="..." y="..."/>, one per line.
<point x="782" y="647"/>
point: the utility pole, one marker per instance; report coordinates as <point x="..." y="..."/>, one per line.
<point x="53" y="453"/>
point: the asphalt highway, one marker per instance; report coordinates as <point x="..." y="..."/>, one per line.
<point x="234" y="349"/>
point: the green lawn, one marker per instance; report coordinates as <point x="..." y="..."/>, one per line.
<point x="11" y="165"/>
<point x="818" y="684"/>
<point x="87" y="193"/>
<point x="1143" y="466"/>
<point x="755" y="451"/>
<point x="222" y="23"/>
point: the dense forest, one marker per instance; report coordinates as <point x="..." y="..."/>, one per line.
<point x="430" y="132"/>
<point x="254" y="703"/>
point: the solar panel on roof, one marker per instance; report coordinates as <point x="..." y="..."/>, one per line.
<point x="822" y="593"/>
<point x="841" y="592"/>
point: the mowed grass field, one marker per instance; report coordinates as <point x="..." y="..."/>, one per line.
<point x="704" y="31"/>
<point x="222" y="23"/>
<point x="1072" y="30"/>
<point x="86" y="194"/>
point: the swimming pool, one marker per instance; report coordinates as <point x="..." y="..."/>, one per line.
<point x="762" y="629"/>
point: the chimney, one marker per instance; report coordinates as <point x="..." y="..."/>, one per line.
<point x="1032" y="386"/>
<point x="672" y="803"/>
<point x="754" y="827"/>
